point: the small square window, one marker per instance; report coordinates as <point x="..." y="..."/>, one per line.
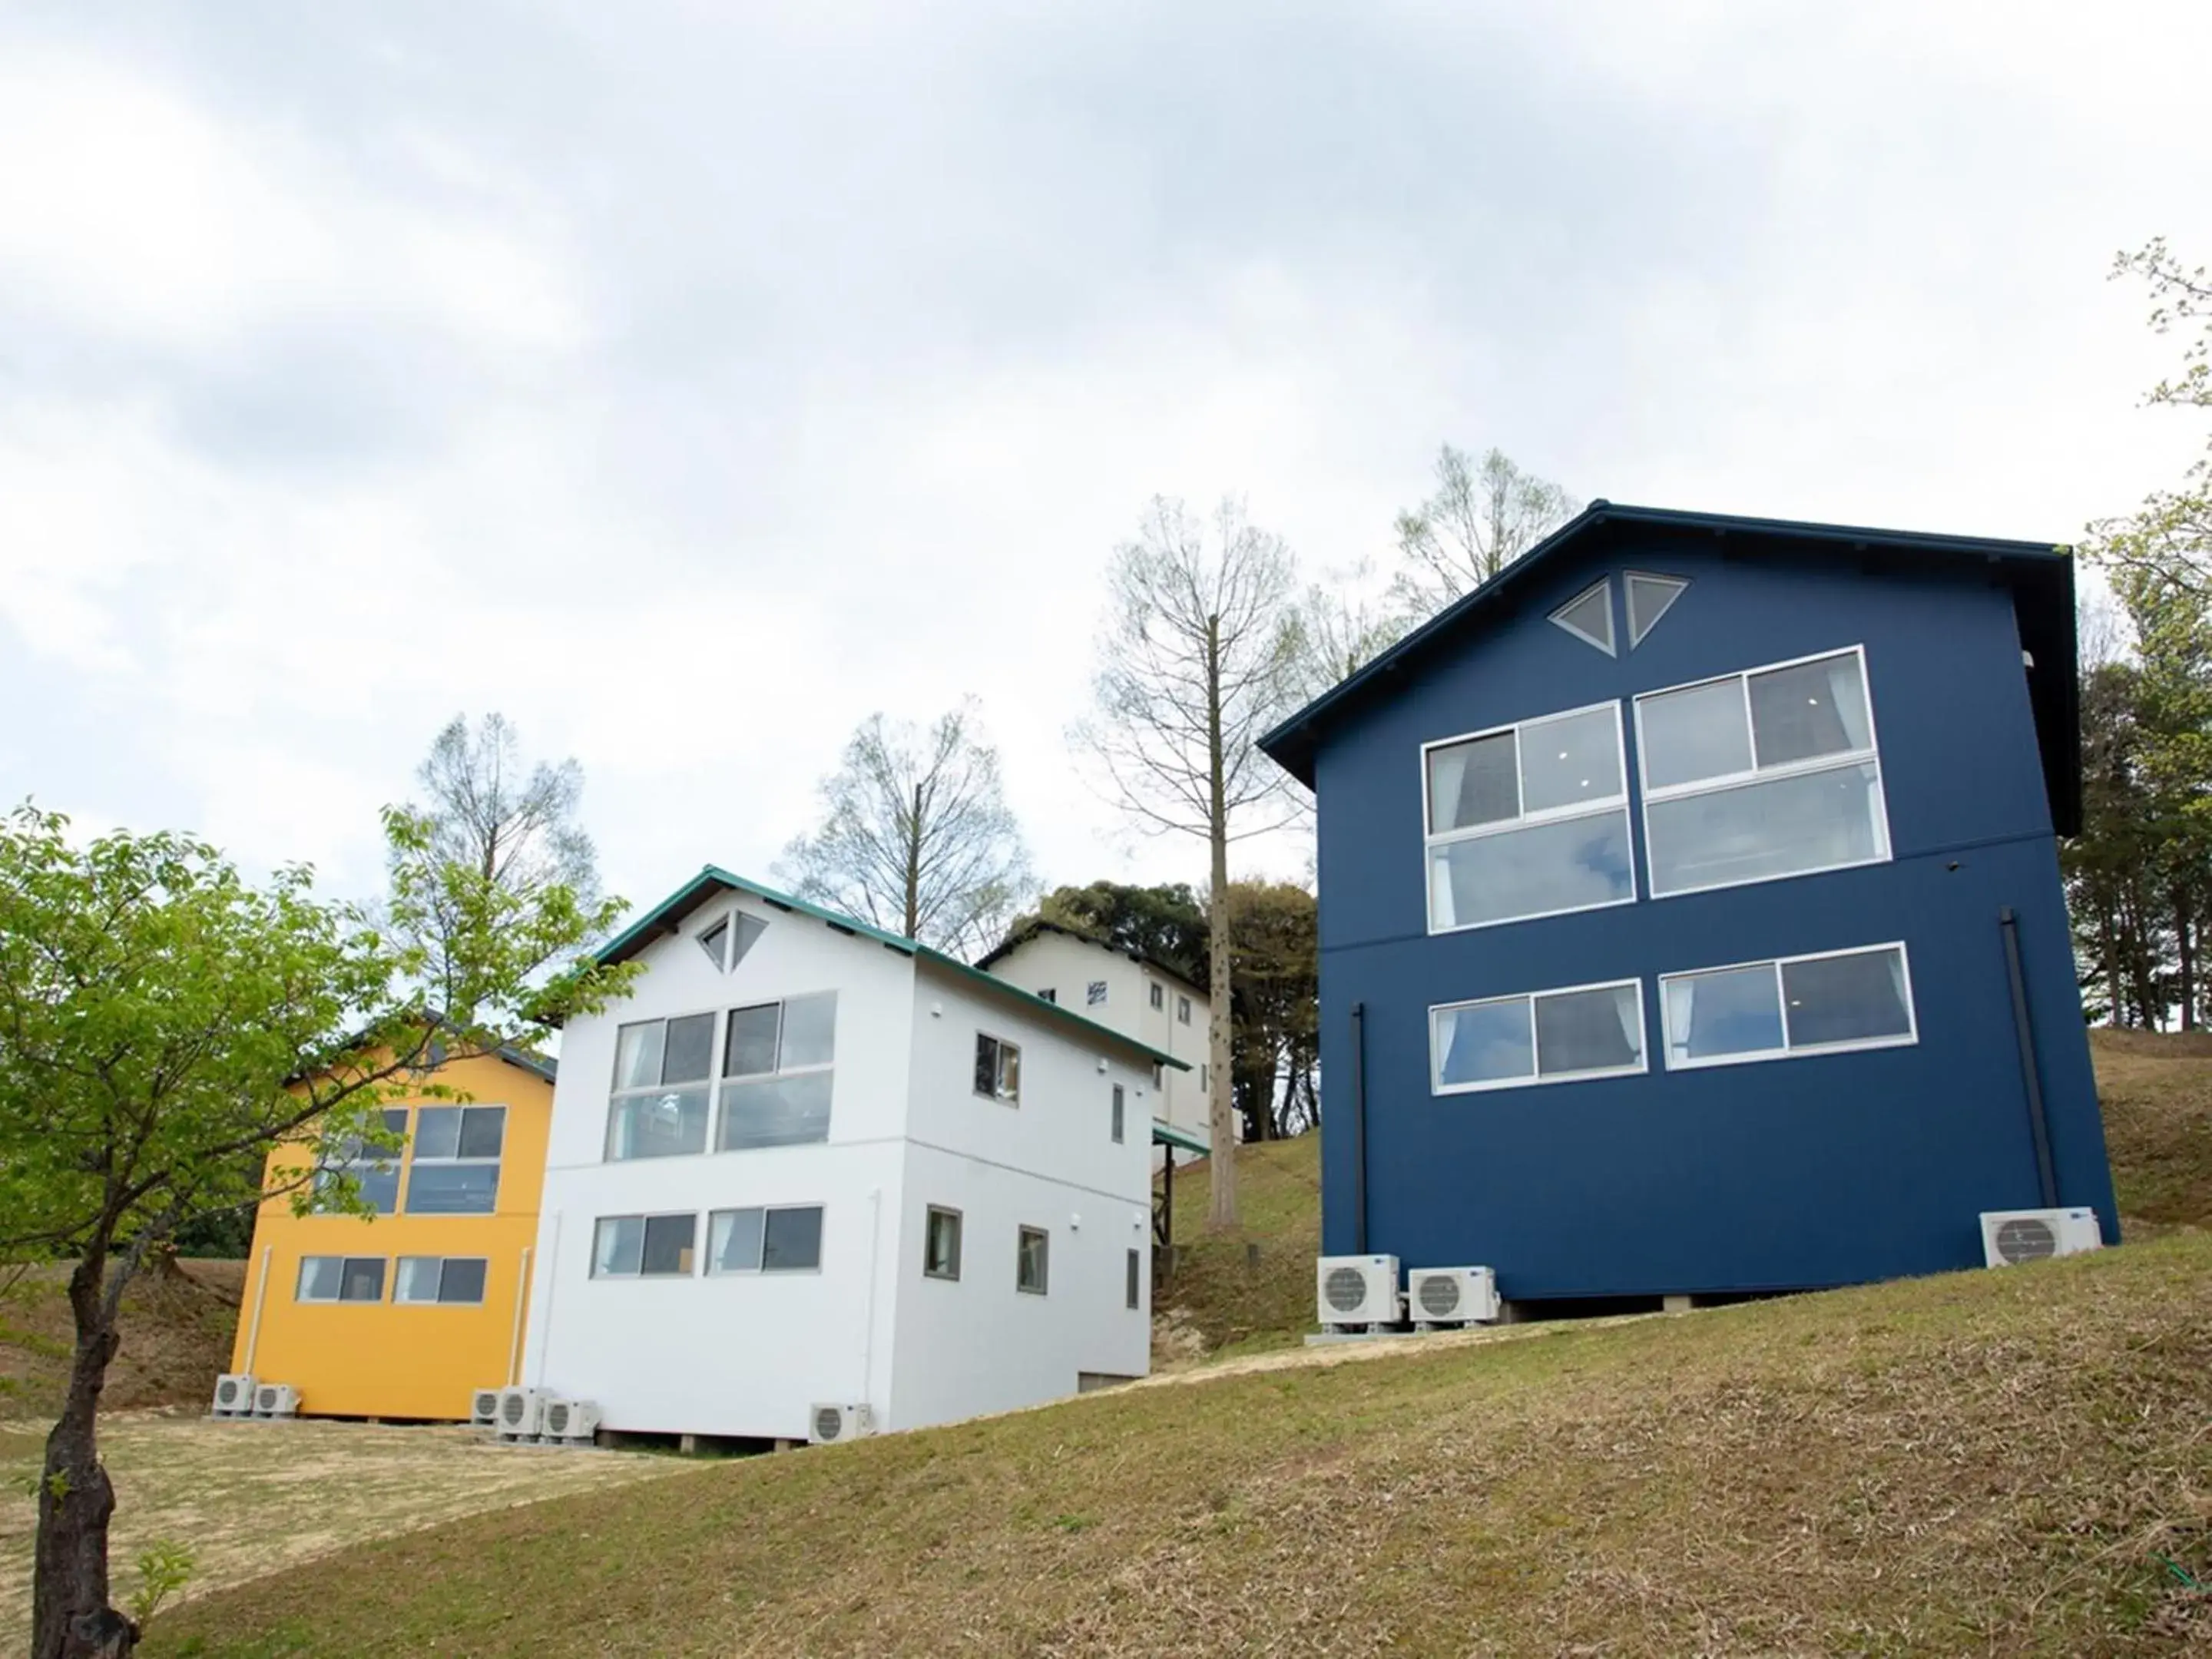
<point x="940" y="1244"/>
<point x="1159" y="994"/>
<point x="1183" y="1011"/>
<point x="1032" y="1261"/>
<point x="1094" y="993"/>
<point x="998" y="1069"/>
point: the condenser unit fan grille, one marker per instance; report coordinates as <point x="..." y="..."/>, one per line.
<point x="228" y="1393"/>
<point x="1440" y="1296"/>
<point x="1346" y="1289"/>
<point x="2024" y="1238"/>
<point x="829" y="1423"/>
<point x="487" y="1404"/>
<point x="511" y="1410"/>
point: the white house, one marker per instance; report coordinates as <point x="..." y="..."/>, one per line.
<point x="807" y="1163"/>
<point x="1129" y="992"/>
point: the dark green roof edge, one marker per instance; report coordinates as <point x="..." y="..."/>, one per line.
<point x="712" y="878"/>
<point x="1166" y="1134"/>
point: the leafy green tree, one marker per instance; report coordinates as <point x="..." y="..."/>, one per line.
<point x="1275" y="1021"/>
<point x="2170" y="536"/>
<point x="1166" y="924"/>
<point x="163" y="1023"/>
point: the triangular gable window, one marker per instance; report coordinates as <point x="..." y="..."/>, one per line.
<point x="1588" y="616"/>
<point x="711" y="941"/>
<point x="1649" y="597"/>
<point x="749" y="930"/>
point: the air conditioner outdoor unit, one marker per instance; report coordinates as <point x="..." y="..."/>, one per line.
<point x="276" y="1399"/>
<point x="1357" y="1290"/>
<point x="573" y="1420"/>
<point x="826" y="1422"/>
<point x="1451" y="1296"/>
<point x="519" y="1413"/>
<point x="233" y="1395"/>
<point x="2012" y="1237"/>
<point x="483" y="1407"/>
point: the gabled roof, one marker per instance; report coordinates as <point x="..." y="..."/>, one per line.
<point x="1036" y="925"/>
<point x="668" y="915"/>
<point x="2040" y="574"/>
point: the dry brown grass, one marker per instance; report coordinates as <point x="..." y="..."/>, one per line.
<point x="176" y="1339"/>
<point x="1983" y="1462"/>
<point x="1220" y="1298"/>
<point x="254" y="1497"/>
<point x="2157" y="1093"/>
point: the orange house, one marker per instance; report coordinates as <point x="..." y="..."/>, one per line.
<point x="407" y="1313"/>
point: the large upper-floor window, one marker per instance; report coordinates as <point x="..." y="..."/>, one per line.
<point x="1528" y="820"/>
<point x="658" y="1105"/>
<point x="1773" y="772"/>
<point x="1825" y="1003"/>
<point x="453" y="1168"/>
<point x="777" y="1072"/>
<point x="375" y="1170"/>
<point x="1543" y="1036"/>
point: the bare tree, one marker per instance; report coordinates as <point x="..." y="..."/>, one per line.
<point x="917" y="838"/>
<point x="1198" y="655"/>
<point x="512" y="823"/>
<point x="1343" y="625"/>
<point x="1484" y="514"/>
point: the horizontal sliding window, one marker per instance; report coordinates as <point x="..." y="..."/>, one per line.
<point x="1838" y="1000"/>
<point x="340" y="1278"/>
<point x="783" y="1239"/>
<point x="448" y="1278"/>
<point x="776" y="1072"/>
<point x="658" y="1108"/>
<point x="1770" y="773"/>
<point x="1529" y="820"/>
<point x="644" y="1246"/>
<point x="1545" y="1036"/>
<point x="455" y="1167"/>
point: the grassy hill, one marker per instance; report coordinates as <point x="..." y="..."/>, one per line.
<point x="176" y="1339"/>
<point x="2014" y="1463"/>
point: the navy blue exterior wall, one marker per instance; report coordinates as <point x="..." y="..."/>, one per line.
<point x="1783" y="1174"/>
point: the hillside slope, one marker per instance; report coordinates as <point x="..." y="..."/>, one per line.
<point x="176" y="1340"/>
<point x="1982" y="1461"/>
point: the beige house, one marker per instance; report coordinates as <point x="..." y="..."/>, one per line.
<point x="1126" y="992"/>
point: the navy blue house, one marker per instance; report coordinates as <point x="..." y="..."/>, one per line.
<point x="1691" y="920"/>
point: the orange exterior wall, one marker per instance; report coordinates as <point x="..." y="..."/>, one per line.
<point x="385" y="1358"/>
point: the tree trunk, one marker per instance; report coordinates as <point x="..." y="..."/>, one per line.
<point x="70" y="1618"/>
<point x="914" y="870"/>
<point x="1220" y="1113"/>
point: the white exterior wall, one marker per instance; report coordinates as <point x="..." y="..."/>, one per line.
<point x="741" y="1354"/>
<point x="747" y="1354"/>
<point x="1050" y="1162"/>
<point x="1055" y="961"/>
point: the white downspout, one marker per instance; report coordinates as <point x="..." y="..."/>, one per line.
<point x="545" y="1313"/>
<point x="522" y="1301"/>
<point x="260" y="1295"/>
<point x="875" y="1269"/>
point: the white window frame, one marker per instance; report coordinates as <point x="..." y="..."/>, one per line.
<point x="1044" y="1286"/>
<point x="1183" y="1011"/>
<point x="1809" y="1051"/>
<point x="384" y="1286"/>
<point x="1525" y="820"/>
<point x="416" y="1161"/>
<point x="999" y="1070"/>
<point x="1158" y="995"/>
<point x="721" y="1078"/>
<point x="1871" y="755"/>
<point x="711" y="1083"/>
<point x="698" y="1245"/>
<point x="1438" y="1086"/>
<point x="712" y="1262"/>
<point x="399" y="1280"/>
<point x="1133" y="1280"/>
<point x="1118" y="1122"/>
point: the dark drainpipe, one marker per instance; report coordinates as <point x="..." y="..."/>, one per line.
<point x="2030" y="1073"/>
<point x="1360" y="1128"/>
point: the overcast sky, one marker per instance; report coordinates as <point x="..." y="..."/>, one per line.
<point x="688" y="381"/>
